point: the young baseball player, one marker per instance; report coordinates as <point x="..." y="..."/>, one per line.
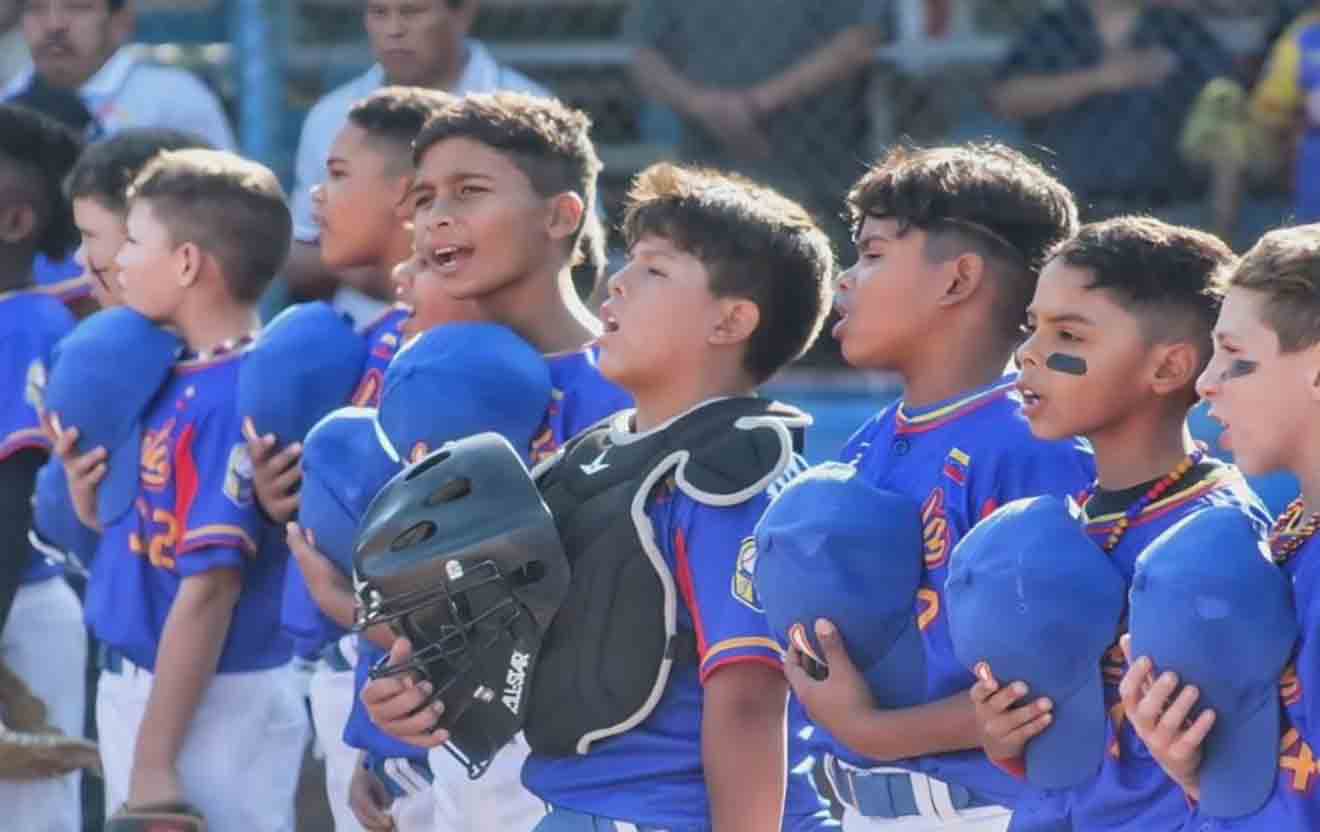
<point x="950" y="241"/>
<point x="196" y="702"/>
<point x="1119" y="331"/>
<point x="726" y="283"/>
<point x="42" y="638"/>
<point x="549" y="182"/>
<point x="98" y="186"/>
<point x="1262" y="386"/>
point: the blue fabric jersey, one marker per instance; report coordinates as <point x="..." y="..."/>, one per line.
<point x="31" y="323"/>
<point x="195" y="512"/>
<point x="300" y="617"/>
<point x="1295" y="804"/>
<point x="1131" y="792"/>
<point x="960" y="460"/>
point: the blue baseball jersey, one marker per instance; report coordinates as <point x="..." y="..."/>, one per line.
<point x="1132" y="792"/>
<point x="300" y="617"/>
<point x="384" y="337"/>
<point x="1295" y="802"/>
<point x="960" y="460"/>
<point x="31" y="323"/>
<point x="653" y="774"/>
<point x="581" y="398"/>
<point x="63" y="279"/>
<point x="195" y="511"/>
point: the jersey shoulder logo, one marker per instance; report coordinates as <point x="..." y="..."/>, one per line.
<point x="238" y="476"/>
<point x="155" y="465"/>
<point x="743" y="587"/>
<point x="596" y="465"/>
<point x="34" y="386"/>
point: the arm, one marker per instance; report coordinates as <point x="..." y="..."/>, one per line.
<point x="190" y="646"/>
<point x="743" y="746"/>
<point x="1031" y="96"/>
<point x="844" y="55"/>
<point x="18" y="479"/>
<point x="330" y="588"/>
<point x="842" y="704"/>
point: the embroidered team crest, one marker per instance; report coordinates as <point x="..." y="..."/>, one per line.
<point x="744" y="574"/>
<point x="34" y="388"/>
<point x="935" y="530"/>
<point x="956" y="465"/>
<point x="238" y="476"/>
<point x="154" y="462"/>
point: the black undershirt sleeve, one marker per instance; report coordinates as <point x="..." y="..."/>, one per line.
<point x="18" y="478"/>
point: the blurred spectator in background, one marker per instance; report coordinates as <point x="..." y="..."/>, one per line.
<point x="421" y="43"/>
<point x="773" y="89"/>
<point x="80" y="47"/>
<point x="14" y="53"/>
<point x="1106" y="85"/>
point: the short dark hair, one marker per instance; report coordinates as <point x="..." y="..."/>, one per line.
<point x="547" y="140"/>
<point x="983" y="196"/>
<point x="1284" y="265"/>
<point x="1170" y="277"/>
<point x="108" y="167"/>
<point x="754" y="243"/>
<point x="41" y="151"/>
<point x="395" y="115"/>
<point x="231" y="207"/>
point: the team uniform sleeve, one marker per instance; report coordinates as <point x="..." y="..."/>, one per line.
<point x="730" y="628"/>
<point x="218" y="522"/>
<point x="24" y="368"/>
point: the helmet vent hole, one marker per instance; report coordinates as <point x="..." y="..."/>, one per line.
<point x="530" y="573"/>
<point x="426" y="464"/>
<point x="450" y="491"/>
<point x="416" y="534"/>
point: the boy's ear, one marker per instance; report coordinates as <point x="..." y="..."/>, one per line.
<point x="1176" y="368"/>
<point x="738" y="319"/>
<point x="191" y="260"/>
<point x="963" y="277"/>
<point x="17" y="223"/>
<point x="1313" y="371"/>
<point x="566" y="212"/>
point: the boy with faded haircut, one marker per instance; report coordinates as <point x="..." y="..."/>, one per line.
<point x="726" y="283"/>
<point x="1119" y="331"/>
<point x="1262" y="384"/>
<point x="503" y="184"/>
<point x="195" y="702"/>
<point x="98" y="188"/>
<point x="950" y="241"/>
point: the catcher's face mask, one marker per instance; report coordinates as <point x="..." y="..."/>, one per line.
<point x="460" y="554"/>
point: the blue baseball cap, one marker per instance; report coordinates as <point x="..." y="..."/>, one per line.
<point x="306" y="362"/>
<point x="61" y="536"/>
<point x="830" y="545"/>
<point x="104" y="375"/>
<point x="461" y="379"/>
<point x="1033" y="596"/>
<point x="344" y="464"/>
<point x="1209" y="604"/>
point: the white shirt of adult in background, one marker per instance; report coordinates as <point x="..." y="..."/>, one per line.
<point x="129" y="91"/>
<point x="14" y="54"/>
<point x="481" y="73"/>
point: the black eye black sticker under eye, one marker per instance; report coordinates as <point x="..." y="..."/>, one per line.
<point x="1239" y="367"/>
<point x="1062" y="362"/>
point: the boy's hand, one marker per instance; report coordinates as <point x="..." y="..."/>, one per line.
<point x="1163" y="725"/>
<point x="369" y="800"/>
<point x="154" y="785"/>
<point x="842" y="698"/>
<point x="276" y="473"/>
<point x="320" y="573"/>
<point x="83" y="471"/>
<point x="396" y="704"/>
<point x="1005" y="726"/>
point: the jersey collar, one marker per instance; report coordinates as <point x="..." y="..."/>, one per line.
<point x="919" y="420"/>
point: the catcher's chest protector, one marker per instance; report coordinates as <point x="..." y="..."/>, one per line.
<point x="606" y="656"/>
